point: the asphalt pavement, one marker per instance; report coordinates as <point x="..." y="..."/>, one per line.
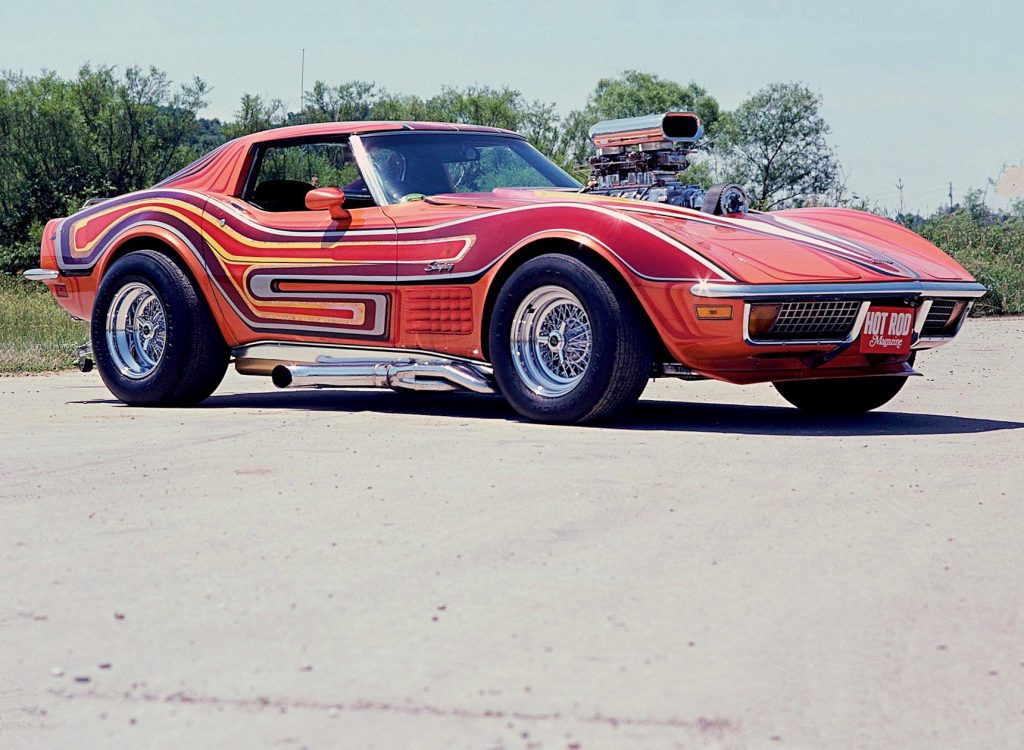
<point x="364" y="569"/>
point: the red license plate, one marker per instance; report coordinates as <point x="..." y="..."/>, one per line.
<point x="887" y="330"/>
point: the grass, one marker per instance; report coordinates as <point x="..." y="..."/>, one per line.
<point x="36" y="334"/>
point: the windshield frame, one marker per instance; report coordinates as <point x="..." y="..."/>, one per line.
<point x="376" y="184"/>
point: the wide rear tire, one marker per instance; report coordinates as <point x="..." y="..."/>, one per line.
<point x="568" y="343"/>
<point x="154" y="340"/>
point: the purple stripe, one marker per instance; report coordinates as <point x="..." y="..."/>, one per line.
<point x="64" y="238"/>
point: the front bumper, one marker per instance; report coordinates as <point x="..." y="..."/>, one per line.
<point x="726" y="350"/>
<point x="920" y="295"/>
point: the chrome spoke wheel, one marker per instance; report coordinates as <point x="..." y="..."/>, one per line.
<point x="136" y="330"/>
<point x="552" y="341"/>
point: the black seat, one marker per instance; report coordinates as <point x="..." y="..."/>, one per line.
<point x="281" y="195"/>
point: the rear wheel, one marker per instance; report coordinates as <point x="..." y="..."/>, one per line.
<point x="154" y="340"/>
<point x="567" y="343"/>
<point x="842" y="395"/>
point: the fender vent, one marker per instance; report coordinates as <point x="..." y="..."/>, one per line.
<point x="447" y="310"/>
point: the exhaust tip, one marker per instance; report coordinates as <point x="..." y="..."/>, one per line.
<point x="281" y="376"/>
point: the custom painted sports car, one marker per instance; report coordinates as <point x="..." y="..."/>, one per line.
<point x="431" y="256"/>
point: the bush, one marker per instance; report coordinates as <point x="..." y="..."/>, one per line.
<point x="992" y="250"/>
<point x="19" y="257"/>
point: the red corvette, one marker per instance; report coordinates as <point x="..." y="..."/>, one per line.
<point x="431" y="256"/>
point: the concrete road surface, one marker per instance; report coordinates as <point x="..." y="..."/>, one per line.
<point x="368" y="570"/>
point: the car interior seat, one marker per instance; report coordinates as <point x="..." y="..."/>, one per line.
<point x="281" y="195"/>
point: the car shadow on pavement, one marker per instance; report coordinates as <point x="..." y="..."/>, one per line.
<point x="786" y="420"/>
<point x="453" y="404"/>
<point x="653" y="415"/>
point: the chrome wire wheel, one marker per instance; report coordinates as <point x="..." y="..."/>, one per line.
<point x="552" y="341"/>
<point x="136" y="330"/>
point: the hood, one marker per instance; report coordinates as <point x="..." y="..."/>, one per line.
<point x="798" y="245"/>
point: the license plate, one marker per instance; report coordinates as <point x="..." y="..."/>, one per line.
<point x="887" y="330"/>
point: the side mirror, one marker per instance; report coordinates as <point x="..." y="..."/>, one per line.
<point x="327" y="199"/>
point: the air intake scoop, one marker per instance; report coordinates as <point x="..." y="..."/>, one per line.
<point x="670" y="127"/>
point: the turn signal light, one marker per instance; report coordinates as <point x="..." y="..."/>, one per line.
<point x="714" y="312"/>
<point x="761" y="319"/>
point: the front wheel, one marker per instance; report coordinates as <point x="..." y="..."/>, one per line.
<point x="154" y="340"/>
<point x="568" y="344"/>
<point x="841" y="395"/>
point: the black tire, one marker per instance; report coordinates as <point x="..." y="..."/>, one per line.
<point x="621" y="352"/>
<point x="193" y="355"/>
<point x="842" y="395"/>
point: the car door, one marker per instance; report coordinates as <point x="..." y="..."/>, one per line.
<point x="290" y="273"/>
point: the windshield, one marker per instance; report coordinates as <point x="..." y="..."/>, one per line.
<point x="413" y="165"/>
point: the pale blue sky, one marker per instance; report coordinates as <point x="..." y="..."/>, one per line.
<point x="930" y="92"/>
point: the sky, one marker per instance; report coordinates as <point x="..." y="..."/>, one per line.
<point x="929" y="93"/>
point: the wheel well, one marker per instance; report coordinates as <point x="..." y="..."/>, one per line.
<point x="563" y="247"/>
<point x="156" y="245"/>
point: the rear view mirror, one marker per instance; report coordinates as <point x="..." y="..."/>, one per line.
<point x="327" y="199"/>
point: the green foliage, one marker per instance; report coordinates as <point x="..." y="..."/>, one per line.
<point x="138" y="130"/>
<point x="774" y="145"/>
<point x="633" y="94"/>
<point x="254" y="114"/>
<point x="16" y="258"/>
<point x="355" y="100"/>
<point x="100" y="134"/>
<point x="36" y="335"/>
<point x="990" y="247"/>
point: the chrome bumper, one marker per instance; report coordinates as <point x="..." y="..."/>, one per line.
<point x="869" y="290"/>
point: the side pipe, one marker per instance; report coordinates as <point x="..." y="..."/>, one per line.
<point x="411" y="375"/>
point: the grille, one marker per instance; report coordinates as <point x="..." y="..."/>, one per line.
<point x="938" y="316"/>
<point x="818" y="321"/>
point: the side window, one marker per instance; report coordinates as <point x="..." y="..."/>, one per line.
<point x="285" y="173"/>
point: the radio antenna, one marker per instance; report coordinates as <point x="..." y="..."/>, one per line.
<point x="302" y="82"/>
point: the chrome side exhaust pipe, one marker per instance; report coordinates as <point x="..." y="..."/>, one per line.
<point x="411" y="375"/>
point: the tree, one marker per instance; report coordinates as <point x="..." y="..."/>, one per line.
<point x="633" y="94"/>
<point x="354" y="100"/>
<point x="254" y="114"/>
<point x="139" y="129"/>
<point x="46" y="162"/>
<point x="774" y="145"/>
<point x="100" y="134"/>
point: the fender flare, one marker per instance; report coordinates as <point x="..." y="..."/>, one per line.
<point x="571" y="242"/>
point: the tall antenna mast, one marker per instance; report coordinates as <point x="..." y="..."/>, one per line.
<point x="302" y="82"/>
